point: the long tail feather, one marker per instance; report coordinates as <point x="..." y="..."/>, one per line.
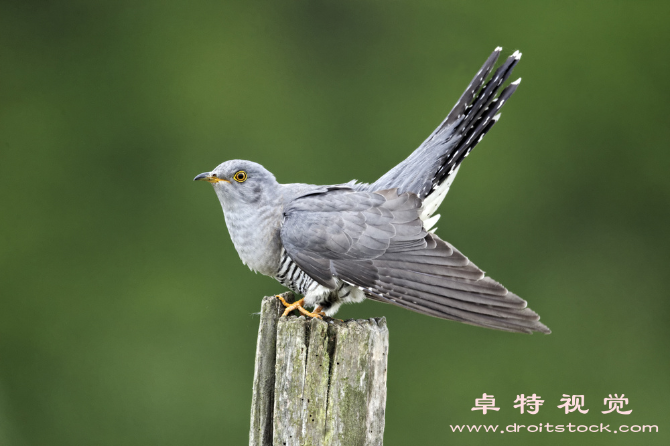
<point x="430" y="169"/>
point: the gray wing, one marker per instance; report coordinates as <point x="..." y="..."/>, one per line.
<point x="376" y="241"/>
<point x="440" y="155"/>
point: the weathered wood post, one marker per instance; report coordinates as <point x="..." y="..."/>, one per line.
<point x="317" y="382"/>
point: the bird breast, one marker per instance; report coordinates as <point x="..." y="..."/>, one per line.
<point x="255" y="234"/>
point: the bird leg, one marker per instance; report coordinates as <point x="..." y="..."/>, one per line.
<point x="297" y="306"/>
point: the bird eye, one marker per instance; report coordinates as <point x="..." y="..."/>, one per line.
<point x="240" y="176"/>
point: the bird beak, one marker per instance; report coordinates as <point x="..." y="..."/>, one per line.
<point x="207" y="176"/>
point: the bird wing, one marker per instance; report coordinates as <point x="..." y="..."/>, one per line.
<point x="430" y="169"/>
<point x="377" y="242"/>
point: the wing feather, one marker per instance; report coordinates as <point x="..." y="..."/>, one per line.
<point x="376" y="241"/>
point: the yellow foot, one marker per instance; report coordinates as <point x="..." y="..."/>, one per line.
<point x="297" y="306"/>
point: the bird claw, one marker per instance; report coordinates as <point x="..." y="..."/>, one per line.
<point x="298" y="306"/>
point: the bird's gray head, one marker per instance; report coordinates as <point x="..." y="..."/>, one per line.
<point x="239" y="181"/>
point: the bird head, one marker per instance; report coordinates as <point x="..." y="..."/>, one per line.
<point x="239" y="181"/>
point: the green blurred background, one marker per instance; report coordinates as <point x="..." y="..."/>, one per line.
<point x="126" y="316"/>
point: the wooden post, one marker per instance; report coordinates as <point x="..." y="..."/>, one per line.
<point x="317" y="382"/>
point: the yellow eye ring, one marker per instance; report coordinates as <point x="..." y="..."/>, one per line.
<point x="240" y="176"/>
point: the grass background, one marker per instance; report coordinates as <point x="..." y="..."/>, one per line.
<point x="126" y="316"/>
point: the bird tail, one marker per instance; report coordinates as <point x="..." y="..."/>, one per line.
<point x="430" y="169"/>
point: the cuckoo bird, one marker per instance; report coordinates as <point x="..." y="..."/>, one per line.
<point x="343" y="243"/>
